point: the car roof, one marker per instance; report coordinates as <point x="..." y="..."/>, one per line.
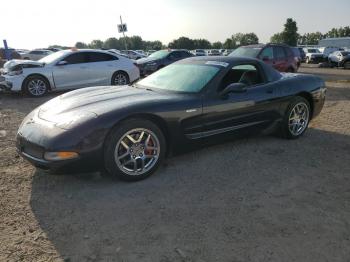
<point x="226" y="59"/>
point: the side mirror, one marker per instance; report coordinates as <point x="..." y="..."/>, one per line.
<point x="234" y="88"/>
<point x="62" y="63"/>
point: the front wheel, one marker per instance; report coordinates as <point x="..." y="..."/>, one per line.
<point x="120" y="78"/>
<point x="134" y="150"/>
<point x="296" y="118"/>
<point x="36" y="86"/>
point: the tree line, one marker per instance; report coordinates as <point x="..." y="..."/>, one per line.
<point x="289" y="36"/>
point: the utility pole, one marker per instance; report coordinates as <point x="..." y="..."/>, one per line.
<point x="123" y="30"/>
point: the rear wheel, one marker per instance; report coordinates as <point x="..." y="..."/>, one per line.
<point x="120" y="78"/>
<point x="296" y="118"/>
<point x="134" y="150"/>
<point x="36" y="86"/>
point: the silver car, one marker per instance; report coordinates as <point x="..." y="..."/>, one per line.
<point x="36" y="54"/>
<point x="68" y="69"/>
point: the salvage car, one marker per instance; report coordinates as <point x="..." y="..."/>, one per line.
<point x="160" y="59"/>
<point x="128" y="131"/>
<point x="313" y="55"/>
<point x="279" y="56"/>
<point x="37" y="54"/>
<point x="340" y="59"/>
<point x="68" y="69"/>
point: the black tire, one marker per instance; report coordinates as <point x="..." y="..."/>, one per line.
<point x="347" y="65"/>
<point x="120" y="78"/>
<point x="36" y="86"/>
<point x="285" y="129"/>
<point x="290" y="70"/>
<point x="114" y="140"/>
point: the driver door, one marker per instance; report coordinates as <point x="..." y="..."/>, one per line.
<point x="74" y="74"/>
<point x="253" y="107"/>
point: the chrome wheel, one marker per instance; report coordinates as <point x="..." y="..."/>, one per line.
<point x="120" y="79"/>
<point x="37" y="87"/>
<point x="137" y="151"/>
<point x="298" y="119"/>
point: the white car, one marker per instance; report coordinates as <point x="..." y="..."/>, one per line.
<point x="199" y="52"/>
<point x="36" y="54"/>
<point x="68" y="69"/>
<point x="313" y="55"/>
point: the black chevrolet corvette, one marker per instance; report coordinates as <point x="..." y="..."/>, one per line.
<point x="128" y="130"/>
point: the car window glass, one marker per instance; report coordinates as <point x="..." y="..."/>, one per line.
<point x="100" y="57"/>
<point x="247" y="74"/>
<point x="267" y="53"/>
<point x="185" y="54"/>
<point x="279" y="52"/>
<point x="77" y="58"/>
<point x="175" y="55"/>
<point x="190" y="78"/>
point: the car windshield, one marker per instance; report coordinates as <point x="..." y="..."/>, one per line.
<point x="246" y="52"/>
<point x="159" y="54"/>
<point x="190" y="78"/>
<point x="345" y="53"/>
<point x="52" y="57"/>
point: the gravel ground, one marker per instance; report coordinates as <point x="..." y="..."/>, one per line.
<point x="253" y="199"/>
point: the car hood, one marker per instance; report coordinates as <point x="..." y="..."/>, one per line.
<point x="24" y="63"/>
<point x="146" y="60"/>
<point x="87" y="103"/>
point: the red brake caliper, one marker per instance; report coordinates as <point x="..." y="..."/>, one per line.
<point x="149" y="151"/>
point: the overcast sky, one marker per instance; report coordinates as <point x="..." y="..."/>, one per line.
<point x="39" y="23"/>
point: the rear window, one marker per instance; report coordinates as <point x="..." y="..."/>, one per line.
<point x="279" y="52"/>
<point x="246" y="52"/>
<point x="100" y="57"/>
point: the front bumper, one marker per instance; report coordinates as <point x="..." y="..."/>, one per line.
<point x="316" y="59"/>
<point x="34" y="153"/>
<point x="35" y="137"/>
<point x="147" y="70"/>
<point x="13" y="83"/>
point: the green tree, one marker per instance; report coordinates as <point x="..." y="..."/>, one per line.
<point x="229" y="44"/>
<point x="290" y="32"/>
<point x="277" y="38"/>
<point x="217" y="45"/>
<point x="182" y="43"/>
<point x="240" y="39"/>
<point x="80" y="45"/>
<point x="112" y="43"/>
<point x="201" y="44"/>
<point x="310" y="38"/>
<point x="96" y="44"/>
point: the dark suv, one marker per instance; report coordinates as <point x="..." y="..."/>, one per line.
<point x="159" y="59"/>
<point x="280" y="56"/>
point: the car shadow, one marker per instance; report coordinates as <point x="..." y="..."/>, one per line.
<point x="244" y="200"/>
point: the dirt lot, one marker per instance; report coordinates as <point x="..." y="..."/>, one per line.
<point x="254" y="199"/>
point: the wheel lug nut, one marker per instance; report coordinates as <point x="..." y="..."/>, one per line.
<point x="134" y="156"/>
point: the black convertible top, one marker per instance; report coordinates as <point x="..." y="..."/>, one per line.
<point x="271" y="73"/>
